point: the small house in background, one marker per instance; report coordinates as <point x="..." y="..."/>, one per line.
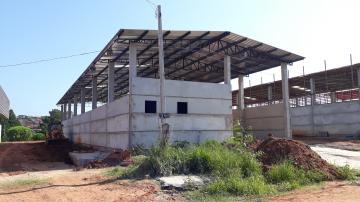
<point x="121" y="86"/>
<point x="4" y="108"/>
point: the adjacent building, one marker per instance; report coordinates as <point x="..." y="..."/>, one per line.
<point x="4" y="108"/>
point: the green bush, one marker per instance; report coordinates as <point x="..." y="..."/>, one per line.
<point x="38" y="136"/>
<point x="18" y="133"/>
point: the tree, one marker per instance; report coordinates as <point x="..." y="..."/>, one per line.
<point x="48" y="121"/>
<point x="12" y="121"/>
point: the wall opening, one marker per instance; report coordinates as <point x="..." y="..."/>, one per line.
<point x="182" y="107"/>
<point x="150" y="106"/>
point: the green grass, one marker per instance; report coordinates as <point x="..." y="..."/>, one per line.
<point x="23" y="182"/>
<point x="234" y="172"/>
<point x="347" y="173"/>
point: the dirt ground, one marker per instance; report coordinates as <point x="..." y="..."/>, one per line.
<point x="32" y="160"/>
<point x="329" y="192"/>
<point x="85" y="185"/>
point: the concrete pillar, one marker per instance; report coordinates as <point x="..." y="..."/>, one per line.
<point x="333" y="97"/>
<point x="65" y="112"/>
<point x="285" y="96"/>
<point x="312" y="91"/>
<point x="227" y="69"/>
<point x="111" y="81"/>
<point x="94" y="92"/>
<point x="132" y="75"/>
<point x="0" y="131"/>
<point x="82" y="100"/>
<point x="75" y="105"/>
<point x="69" y="110"/>
<point x="62" y="112"/>
<point x="270" y="94"/>
<point x="241" y="103"/>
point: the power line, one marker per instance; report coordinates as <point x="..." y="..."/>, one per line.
<point x="48" y="59"/>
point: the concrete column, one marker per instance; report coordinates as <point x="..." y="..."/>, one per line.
<point x="75" y="105"/>
<point x="0" y="131"/>
<point x="111" y="81"/>
<point x="333" y="97"/>
<point x="132" y="75"/>
<point x="65" y="112"/>
<point x="270" y="94"/>
<point x="94" y="92"/>
<point x="82" y="100"/>
<point x="69" y="109"/>
<point x="62" y="112"/>
<point x="227" y="69"/>
<point x="312" y="91"/>
<point x="285" y="96"/>
<point x="241" y="103"/>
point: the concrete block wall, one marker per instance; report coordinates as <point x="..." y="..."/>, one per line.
<point x="209" y="111"/>
<point x="337" y="119"/>
<point x="264" y="120"/>
<point x="105" y="126"/>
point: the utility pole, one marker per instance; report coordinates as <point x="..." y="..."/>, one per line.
<point x="164" y="129"/>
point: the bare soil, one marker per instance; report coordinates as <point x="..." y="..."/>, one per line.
<point x="86" y="185"/>
<point x="352" y="145"/>
<point x="330" y="192"/>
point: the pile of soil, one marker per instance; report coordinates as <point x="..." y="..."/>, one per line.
<point x="121" y="157"/>
<point x="275" y="150"/>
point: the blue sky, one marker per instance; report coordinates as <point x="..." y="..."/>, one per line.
<point x="39" y="29"/>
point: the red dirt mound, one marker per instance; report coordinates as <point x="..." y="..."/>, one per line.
<point x="275" y="150"/>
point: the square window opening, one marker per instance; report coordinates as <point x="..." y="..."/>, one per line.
<point x="150" y="106"/>
<point x="182" y="107"/>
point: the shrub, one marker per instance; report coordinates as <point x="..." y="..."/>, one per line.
<point x="289" y="177"/>
<point x="346" y="173"/>
<point x="38" y="136"/>
<point x="18" y="133"/>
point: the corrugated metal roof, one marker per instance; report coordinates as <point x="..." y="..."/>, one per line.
<point x="189" y="55"/>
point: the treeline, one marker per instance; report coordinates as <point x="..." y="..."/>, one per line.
<point x="14" y="131"/>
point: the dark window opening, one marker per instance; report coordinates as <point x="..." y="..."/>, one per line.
<point x="150" y="106"/>
<point x="182" y="107"/>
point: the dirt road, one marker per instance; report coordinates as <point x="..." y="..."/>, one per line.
<point x="86" y="185"/>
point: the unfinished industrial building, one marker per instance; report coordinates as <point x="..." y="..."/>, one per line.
<point x="122" y="85"/>
<point x="4" y="108"/>
<point x="322" y="104"/>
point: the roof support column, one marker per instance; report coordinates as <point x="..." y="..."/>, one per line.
<point x="270" y="94"/>
<point x="65" y="112"/>
<point x="240" y="98"/>
<point x="132" y="75"/>
<point x="285" y="96"/>
<point x="227" y="69"/>
<point x="69" y="110"/>
<point x="312" y="91"/>
<point x="82" y="100"/>
<point x="75" y="105"/>
<point x="94" y="92"/>
<point x="62" y="112"/>
<point x="333" y="97"/>
<point x="111" y="81"/>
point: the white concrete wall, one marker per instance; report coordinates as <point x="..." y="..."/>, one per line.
<point x="105" y="126"/>
<point x="4" y="104"/>
<point x="209" y="111"/>
<point x="338" y="119"/>
<point x="264" y="120"/>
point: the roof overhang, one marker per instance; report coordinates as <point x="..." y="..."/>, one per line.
<point x="189" y="55"/>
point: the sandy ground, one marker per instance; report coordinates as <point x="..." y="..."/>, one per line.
<point x="339" y="157"/>
<point x="86" y="185"/>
